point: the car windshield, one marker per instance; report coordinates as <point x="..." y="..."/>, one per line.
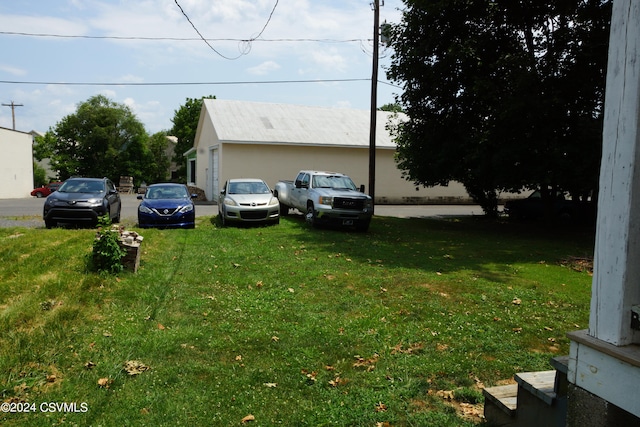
<point x="166" y="192"/>
<point x="81" y="186"/>
<point x="333" y="181"/>
<point x="248" y="187"/>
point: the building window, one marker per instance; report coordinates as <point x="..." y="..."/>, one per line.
<point x="192" y="171"/>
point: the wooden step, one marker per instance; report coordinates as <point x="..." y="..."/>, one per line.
<point x="504" y="397"/>
<point x="540" y="384"/>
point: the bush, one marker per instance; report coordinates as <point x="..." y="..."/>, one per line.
<point x="107" y="252"/>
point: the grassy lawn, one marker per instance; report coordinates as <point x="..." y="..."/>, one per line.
<point x="285" y="325"/>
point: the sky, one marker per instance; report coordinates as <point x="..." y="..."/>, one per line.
<point x="150" y="55"/>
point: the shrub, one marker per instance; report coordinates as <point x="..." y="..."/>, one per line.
<point x="107" y="252"/>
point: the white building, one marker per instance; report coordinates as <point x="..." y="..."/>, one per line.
<point x="16" y="164"/>
<point x="237" y="139"/>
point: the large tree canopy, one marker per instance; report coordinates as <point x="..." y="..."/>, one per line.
<point x="101" y="138"/>
<point x="185" y="124"/>
<point x="502" y="95"/>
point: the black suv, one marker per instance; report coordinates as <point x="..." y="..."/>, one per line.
<point x="82" y="201"/>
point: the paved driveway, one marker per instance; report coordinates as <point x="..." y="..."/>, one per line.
<point x="28" y="211"/>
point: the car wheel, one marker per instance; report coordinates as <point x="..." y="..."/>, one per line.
<point x="50" y="224"/>
<point x="310" y="217"/>
<point x="222" y="218"/>
<point x="116" y="219"/>
<point x="284" y="209"/>
<point x="39" y="195"/>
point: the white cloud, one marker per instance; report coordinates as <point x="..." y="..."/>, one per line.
<point x="330" y="60"/>
<point x="264" y="68"/>
<point x="15" y="71"/>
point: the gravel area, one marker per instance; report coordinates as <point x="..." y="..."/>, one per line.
<point x="27" y="223"/>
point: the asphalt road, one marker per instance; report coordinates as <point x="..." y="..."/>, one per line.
<point x="28" y="211"/>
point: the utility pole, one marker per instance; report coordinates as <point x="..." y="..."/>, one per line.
<point x="13" y="106"/>
<point x="374" y="100"/>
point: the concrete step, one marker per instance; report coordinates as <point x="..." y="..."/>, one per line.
<point x="504" y="397"/>
<point x="540" y="384"/>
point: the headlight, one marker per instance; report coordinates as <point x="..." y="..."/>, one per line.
<point x="51" y="201"/>
<point x="325" y="200"/>
<point x="94" y="202"/>
<point x="230" y="202"/>
<point x="186" y="209"/>
<point x="145" y="209"/>
<point x="273" y="201"/>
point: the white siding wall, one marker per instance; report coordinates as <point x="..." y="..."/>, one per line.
<point x="16" y="164"/>
<point x="277" y="162"/>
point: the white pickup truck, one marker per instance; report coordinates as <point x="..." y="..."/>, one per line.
<point x="325" y="198"/>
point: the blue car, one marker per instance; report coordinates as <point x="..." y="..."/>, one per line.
<point x="167" y="206"/>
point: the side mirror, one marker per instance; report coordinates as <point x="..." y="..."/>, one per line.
<point x="194" y="196"/>
<point x="139" y="197"/>
<point x="362" y="188"/>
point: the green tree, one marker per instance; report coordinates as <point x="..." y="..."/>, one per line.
<point x="102" y="138"/>
<point x="185" y="125"/>
<point x="43" y="146"/>
<point x="159" y="167"/>
<point x="501" y="95"/>
<point x="39" y="175"/>
<point x="392" y="108"/>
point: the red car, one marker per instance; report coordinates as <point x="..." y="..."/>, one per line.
<point x="45" y="190"/>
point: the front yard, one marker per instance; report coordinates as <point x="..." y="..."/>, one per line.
<point x="285" y="325"/>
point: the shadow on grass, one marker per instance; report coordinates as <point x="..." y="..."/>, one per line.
<point x="452" y="244"/>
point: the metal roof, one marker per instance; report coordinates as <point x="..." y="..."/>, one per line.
<point x="267" y="123"/>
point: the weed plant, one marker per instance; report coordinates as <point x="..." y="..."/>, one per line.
<point x="285" y="325"/>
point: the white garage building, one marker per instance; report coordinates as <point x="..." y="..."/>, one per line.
<point x="16" y="164"/>
<point x="237" y="139"/>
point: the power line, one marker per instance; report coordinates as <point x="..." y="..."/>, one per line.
<point x="180" y="39"/>
<point x="246" y="43"/>
<point x="191" y="83"/>
<point x="177" y="83"/>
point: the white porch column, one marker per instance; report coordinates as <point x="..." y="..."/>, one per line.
<point x="616" y="279"/>
<point x="605" y="360"/>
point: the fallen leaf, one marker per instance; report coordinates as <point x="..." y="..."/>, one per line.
<point x="104" y="382"/>
<point x="248" y="418"/>
<point x="275" y="338"/>
<point x="161" y="327"/>
<point x="337" y="381"/>
<point x="381" y="407"/>
<point x="135" y="367"/>
<point x="516" y="301"/>
<point x="445" y="394"/>
<point x="517" y="329"/>
<point x="271" y="385"/>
